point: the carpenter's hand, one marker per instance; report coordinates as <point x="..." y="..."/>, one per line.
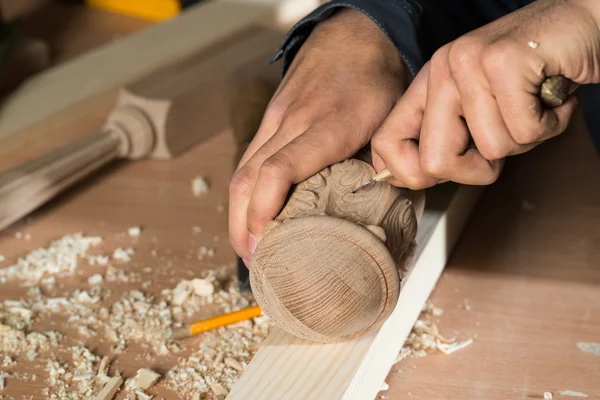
<point x="340" y="87"/>
<point x="486" y="83"/>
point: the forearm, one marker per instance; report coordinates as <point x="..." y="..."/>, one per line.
<point x="396" y="19"/>
<point x="416" y="28"/>
<point x="349" y="28"/>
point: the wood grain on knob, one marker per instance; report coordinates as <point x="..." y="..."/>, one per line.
<point x="325" y="279"/>
<point x="329" y="266"/>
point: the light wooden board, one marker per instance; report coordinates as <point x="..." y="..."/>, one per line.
<point x="99" y="73"/>
<point x="290" y="368"/>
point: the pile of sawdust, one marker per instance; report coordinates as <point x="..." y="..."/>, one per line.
<point x="136" y="317"/>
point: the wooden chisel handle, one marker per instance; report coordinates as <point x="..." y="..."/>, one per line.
<point x="554" y="90"/>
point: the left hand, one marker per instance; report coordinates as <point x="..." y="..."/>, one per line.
<point x="485" y="85"/>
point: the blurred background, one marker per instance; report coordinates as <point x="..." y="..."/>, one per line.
<point x="36" y="34"/>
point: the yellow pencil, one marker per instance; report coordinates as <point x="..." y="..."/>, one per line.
<point x="204" y="325"/>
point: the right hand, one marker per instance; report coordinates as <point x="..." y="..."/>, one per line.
<point x="342" y="84"/>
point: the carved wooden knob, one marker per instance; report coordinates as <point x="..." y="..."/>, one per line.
<point x="330" y="265"/>
<point x="325" y="279"/>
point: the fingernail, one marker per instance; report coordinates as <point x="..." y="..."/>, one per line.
<point x="247" y="263"/>
<point x="252" y="243"/>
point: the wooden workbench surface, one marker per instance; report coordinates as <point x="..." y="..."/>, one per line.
<point x="528" y="266"/>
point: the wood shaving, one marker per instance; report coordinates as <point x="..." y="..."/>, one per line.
<point x="143" y="318"/>
<point x="572" y="393"/>
<point x="181" y="293"/>
<point x="205" y="251"/>
<point x="123" y="255"/>
<point x="134" y="231"/>
<point x="103" y="368"/>
<point x="73" y="381"/>
<point x="547" y="396"/>
<point x="449" y="348"/>
<point x="425" y="337"/>
<point x="109" y="390"/>
<point x="6" y="361"/>
<point x="467" y="305"/>
<point x="532" y="44"/>
<point x="95" y="279"/>
<point x="144" y="379"/>
<point x="138" y="317"/>
<point x="219" y="390"/>
<point x="15" y="342"/>
<point x="429" y="308"/>
<point x="233" y="363"/>
<point x="593" y="348"/>
<point x="203" y="369"/>
<point x="202" y="287"/>
<point x="98" y="260"/>
<point x="61" y="257"/>
<point x="139" y="395"/>
<point x="199" y="186"/>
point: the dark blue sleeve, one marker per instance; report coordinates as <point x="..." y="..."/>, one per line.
<point x="416" y="27"/>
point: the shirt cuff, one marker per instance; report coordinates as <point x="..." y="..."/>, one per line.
<point x="398" y="19"/>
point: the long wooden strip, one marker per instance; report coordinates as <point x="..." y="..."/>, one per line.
<point x="109" y="390"/>
<point x="290" y="368"/>
<point x="102" y="71"/>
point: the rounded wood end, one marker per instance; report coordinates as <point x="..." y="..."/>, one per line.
<point x="135" y="131"/>
<point x="324" y="279"/>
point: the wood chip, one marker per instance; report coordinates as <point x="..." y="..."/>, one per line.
<point x="181" y="292"/>
<point x="123" y="255"/>
<point x="61" y="257"/>
<point x="142" y="396"/>
<point x="199" y="186"/>
<point x="103" y="368"/>
<point x="593" y="348"/>
<point x="547" y="396"/>
<point x="453" y="347"/>
<point x="467" y="305"/>
<point x="233" y="363"/>
<point x="202" y="287"/>
<point x="110" y="389"/>
<point x="134" y="231"/>
<point x="218" y="389"/>
<point x="573" y="393"/>
<point x="95" y="279"/>
<point x="146" y="378"/>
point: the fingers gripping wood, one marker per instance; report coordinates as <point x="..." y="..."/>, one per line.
<point x="330" y="266"/>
